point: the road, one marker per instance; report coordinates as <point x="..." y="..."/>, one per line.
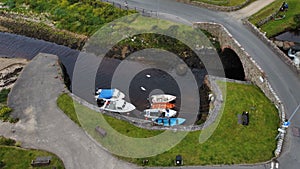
<point x="285" y="82"/>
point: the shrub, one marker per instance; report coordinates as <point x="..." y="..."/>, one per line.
<point x="297" y="20"/>
<point x="3" y="95"/>
<point x="7" y="141"/>
<point x="2" y="164"/>
<point x="4" y="112"/>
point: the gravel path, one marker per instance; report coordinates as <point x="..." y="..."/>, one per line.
<point x="43" y="126"/>
<point x="250" y="9"/>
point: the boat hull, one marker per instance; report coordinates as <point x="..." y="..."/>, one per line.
<point x="162" y="98"/>
<point x="168" y="122"/>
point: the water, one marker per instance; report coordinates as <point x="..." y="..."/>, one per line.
<point x="160" y="82"/>
<point x="291" y="36"/>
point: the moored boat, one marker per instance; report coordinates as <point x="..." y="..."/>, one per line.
<point x="169" y="121"/>
<point x="119" y="106"/>
<point x="162" y="105"/>
<point x="162" y="98"/>
<point x="156" y="113"/>
<point x="109" y="94"/>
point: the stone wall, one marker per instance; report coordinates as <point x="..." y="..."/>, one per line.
<point x="271" y="45"/>
<point x="215" y="7"/>
<point x="253" y="72"/>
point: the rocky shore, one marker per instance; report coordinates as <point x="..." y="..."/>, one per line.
<point x="10" y="68"/>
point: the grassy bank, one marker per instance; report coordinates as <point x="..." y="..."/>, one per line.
<point x="231" y="143"/>
<point x="14" y="157"/>
<point x="4" y="109"/>
<point x="223" y="2"/>
<point x="83" y="17"/>
<point x="275" y="27"/>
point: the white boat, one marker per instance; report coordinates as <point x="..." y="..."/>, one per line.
<point x="162" y="98"/>
<point x="119" y="106"/>
<point x="294" y="54"/>
<point x="109" y="94"/>
<point x="155" y="113"/>
<point x="294" y="51"/>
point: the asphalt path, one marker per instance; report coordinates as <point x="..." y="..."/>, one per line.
<point x="284" y="81"/>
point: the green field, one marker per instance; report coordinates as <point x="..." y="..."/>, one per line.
<point x="83" y="17"/>
<point x="224" y="2"/>
<point x="231" y="143"/>
<point x="14" y="157"/>
<point x="275" y="27"/>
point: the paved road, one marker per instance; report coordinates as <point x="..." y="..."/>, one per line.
<point x="43" y="126"/>
<point x="285" y="82"/>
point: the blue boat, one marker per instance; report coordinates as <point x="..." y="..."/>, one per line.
<point x="169" y="121"/>
<point x="109" y="94"/>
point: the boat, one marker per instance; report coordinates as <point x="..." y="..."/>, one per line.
<point x="162" y="98"/>
<point x="169" y="121"/>
<point x="118" y="106"/>
<point x="156" y="113"/>
<point x="294" y="54"/>
<point x="109" y="94"/>
<point x="294" y="51"/>
<point x="162" y="105"/>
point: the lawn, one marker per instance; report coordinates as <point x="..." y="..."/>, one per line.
<point x="275" y="27"/>
<point x="223" y="2"/>
<point x="231" y="143"/>
<point x="15" y="158"/>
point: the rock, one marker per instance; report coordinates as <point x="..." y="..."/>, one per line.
<point x="286" y="45"/>
<point x="181" y="69"/>
<point x="278" y="43"/>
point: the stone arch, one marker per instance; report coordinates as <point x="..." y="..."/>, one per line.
<point x="232" y="64"/>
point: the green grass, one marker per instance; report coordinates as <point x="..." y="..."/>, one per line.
<point x="83" y="17"/>
<point x="275" y="27"/>
<point x="223" y="2"/>
<point x="65" y="103"/>
<point x="4" y="109"/>
<point x="231" y="143"/>
<point x="16" y="158"/>
<point x="3" y="96"/>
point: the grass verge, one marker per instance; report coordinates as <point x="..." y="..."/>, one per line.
<point x="14" y="157"/>
<point x="65" y="103"/>
<point x="275" y="27"/>
<point x="4" y="109"/>
<point x="230" y="143"/>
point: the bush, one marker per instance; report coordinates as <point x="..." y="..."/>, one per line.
<point x="7" y="141"/>
<point x="2" y="164"/>
<point x="5" y="111"/>
<point x="297" y="20"/>
<point x="3" y="95"/>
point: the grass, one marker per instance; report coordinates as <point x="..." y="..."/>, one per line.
<point x="65" y="103"/>
<point x="13" y="157"/>
<point x="231" y="143"/>
<point x="4" y="109"/>
<point x="275" y="27"/>
<point x="224" y="2"/>
<point x="3" y="96"/>
<point x="83" y="17"/>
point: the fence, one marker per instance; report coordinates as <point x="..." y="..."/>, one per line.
<point x="126" y="6"/>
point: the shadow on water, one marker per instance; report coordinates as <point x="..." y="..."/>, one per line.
<point x="291" y="36"/>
